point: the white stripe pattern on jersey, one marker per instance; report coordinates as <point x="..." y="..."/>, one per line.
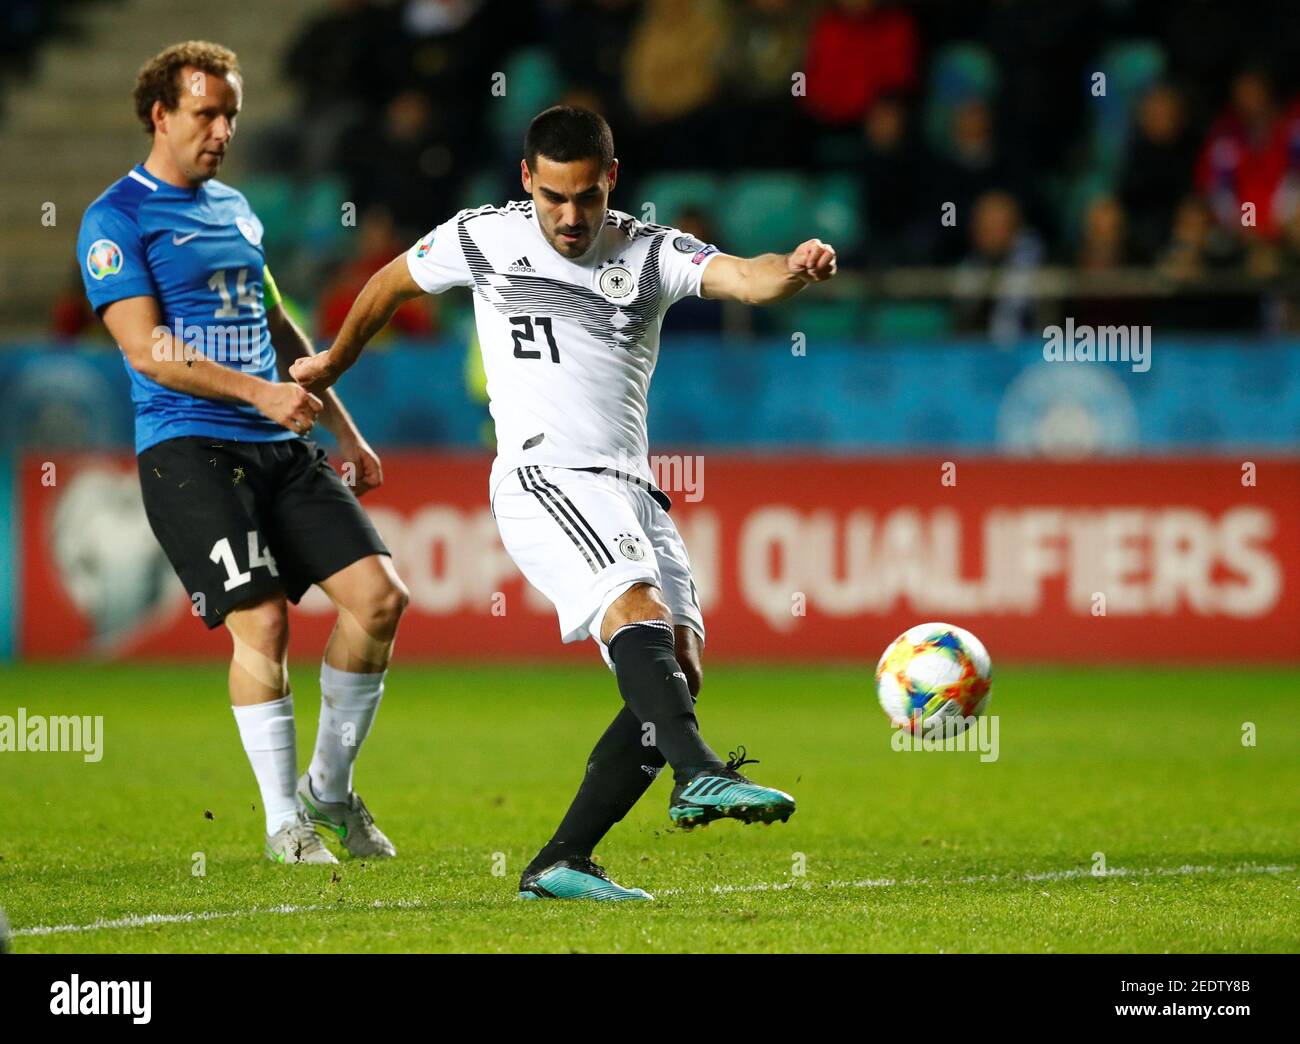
<point x="615" y="325"/>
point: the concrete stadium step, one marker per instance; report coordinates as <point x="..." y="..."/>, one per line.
<point x="70" y="131"/>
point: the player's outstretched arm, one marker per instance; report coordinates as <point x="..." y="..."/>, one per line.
<point x="385" y="291"/>
<point x="291" y="344"/>
<point x="150" y="349"/>
<point x="768" y="278"/>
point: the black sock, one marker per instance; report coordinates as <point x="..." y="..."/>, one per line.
<point x="618" y="772"/>
<point x="655" y="690"/>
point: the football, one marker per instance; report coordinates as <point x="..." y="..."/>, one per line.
<point x="934" y="677"/>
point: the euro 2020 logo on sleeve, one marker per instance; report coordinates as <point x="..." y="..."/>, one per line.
<point x="103" y="259"/>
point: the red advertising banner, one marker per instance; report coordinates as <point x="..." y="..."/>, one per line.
<point x="796" y="558"/>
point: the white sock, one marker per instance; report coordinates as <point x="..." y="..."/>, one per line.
<point x="268" y="735"/>
<point x="348" y="704"/>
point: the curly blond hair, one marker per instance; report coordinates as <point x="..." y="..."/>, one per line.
<point x="160" y="77"/>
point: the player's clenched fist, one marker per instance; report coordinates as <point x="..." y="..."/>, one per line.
<point x="313" y="372"/>
<point x="812" y="261"/>
<point x="290" y="406"/>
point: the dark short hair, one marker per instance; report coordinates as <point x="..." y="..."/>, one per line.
<point x="160" y="77"/>
<point x="564" y="133"/>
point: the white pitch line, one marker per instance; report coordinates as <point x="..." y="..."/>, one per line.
<point x="145" y="920"/>
<point x="1029" y="877"/>
<point x="1025" y="878"/>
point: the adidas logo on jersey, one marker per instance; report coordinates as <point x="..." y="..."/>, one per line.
<point x="521" y="265"/>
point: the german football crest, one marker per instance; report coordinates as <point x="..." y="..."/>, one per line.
<point x="630" y="547"/>
<point x="616" y="283"/>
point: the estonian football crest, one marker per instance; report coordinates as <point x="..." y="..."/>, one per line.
<point x="103" y="259"/>
<point x="251" y="230"/>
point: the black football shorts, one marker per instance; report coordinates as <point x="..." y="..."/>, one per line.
<point x="242" y="520"/>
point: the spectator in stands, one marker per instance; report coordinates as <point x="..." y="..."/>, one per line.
<point x="994" y="282"/>
<point x="769" y="42"/>
<point x="377" y="244"/>
<point x="1104" y="243"/>
<point x="1252" y="156"/>
<point x="672" y="81"/>
<point x="588" y="39"/>
<point x="972" y="166"/>
<point x="696" y="314"/>
<point x="329" y="65"/>
<point x="404" y="162"/>
<point x="857" y="50"/>
<point x="1197" y="245"/>
<point x="1157" y="170"/>
<point x="71" y="315"/>
<point x="902" y="224"/>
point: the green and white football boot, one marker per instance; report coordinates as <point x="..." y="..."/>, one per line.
<point x="348" y="820"/>
<point x="725" y="794"/>
<point x="297" y="842"/>
<point x="576" y="878"/>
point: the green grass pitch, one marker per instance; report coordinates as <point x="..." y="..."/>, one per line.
<point x="469" y="769"/>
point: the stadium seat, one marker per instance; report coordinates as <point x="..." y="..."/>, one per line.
<point x="911" y="320"/>
<point x="1131" y="69"/>
<point x="533" y="82"/>
<point x="274" y="200"/>
<point x="815" y="318"/>
<point x="765" y="211"/>
<point x="489" y="186"/>
<point x="671" y="193"/>
<point x="957" y="73"/>
<point x="837" y="212"/>
<point x="322" y="229"/>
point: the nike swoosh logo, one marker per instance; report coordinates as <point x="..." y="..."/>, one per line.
<point x="179" y="240"/>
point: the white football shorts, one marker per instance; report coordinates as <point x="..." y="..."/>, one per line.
<point x="583" y="538"/>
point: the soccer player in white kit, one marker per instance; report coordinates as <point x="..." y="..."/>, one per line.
<point x="569" y="297"/>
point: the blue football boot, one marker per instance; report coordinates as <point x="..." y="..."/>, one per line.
<point x="725" y="794"/>
<point x="576" y="878"/>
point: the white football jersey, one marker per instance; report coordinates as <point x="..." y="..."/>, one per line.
<point x="568" y="346"/>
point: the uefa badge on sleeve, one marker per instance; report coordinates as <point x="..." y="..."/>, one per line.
<point x="103" y="259"/>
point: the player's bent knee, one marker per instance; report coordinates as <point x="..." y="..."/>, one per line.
<point x="260" y="636"/>
<point x="639" y="603"/>
<point x="693" y="671"/>
<point x="263" y="624"/>
<point x="386" y="607"/>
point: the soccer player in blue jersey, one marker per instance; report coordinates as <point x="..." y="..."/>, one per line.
<point x="249" y="511"/>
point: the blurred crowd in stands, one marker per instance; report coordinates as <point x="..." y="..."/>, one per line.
<point x="990" y="136"/>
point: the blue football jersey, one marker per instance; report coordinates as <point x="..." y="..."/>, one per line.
<point x="198" y="252"/>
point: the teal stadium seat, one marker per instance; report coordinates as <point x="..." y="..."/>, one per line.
<point x="764" y="212"/>
<point x="321" y="230"/>
<point x="671" y="193"/>
<point x="274" y="199"/>
<point x="837" y="212"/>
<point x="958" y="73"/>
<point x="488" y="186"/>
<point x="909" y="321"/>
<point x="533" y="82"/>
<point x="1132" y="68"/>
